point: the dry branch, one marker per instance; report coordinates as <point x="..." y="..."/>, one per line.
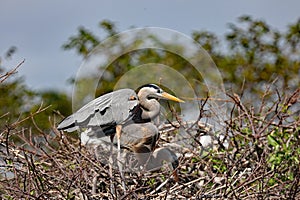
<point x="11" y="72"/>
<point x="53" y="165"/>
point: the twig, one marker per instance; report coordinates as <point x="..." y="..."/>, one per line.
<point x="11" y="72"/>
<point x="30" y="116"/>
<point x="160" y="186"/>
<point x="207" y="99"/>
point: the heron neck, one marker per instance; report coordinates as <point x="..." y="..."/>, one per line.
<point x="151" y="108"/>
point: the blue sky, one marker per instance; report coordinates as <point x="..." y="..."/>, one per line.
<point x="39" y="28"/>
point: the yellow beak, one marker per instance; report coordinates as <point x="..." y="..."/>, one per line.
<point x="171" y="97"/>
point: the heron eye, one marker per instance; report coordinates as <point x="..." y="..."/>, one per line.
<point x="132" y="98"/>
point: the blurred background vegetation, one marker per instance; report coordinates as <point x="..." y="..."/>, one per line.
<point x="251" y="55"/>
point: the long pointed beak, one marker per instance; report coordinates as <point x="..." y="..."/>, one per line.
<point x="171" y="97"/>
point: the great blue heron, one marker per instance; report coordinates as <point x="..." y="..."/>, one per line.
<point x="123" y="111"/>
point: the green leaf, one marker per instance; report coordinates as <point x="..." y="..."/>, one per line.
<point x="272" y="141"/>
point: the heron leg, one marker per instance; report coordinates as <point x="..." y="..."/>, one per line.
<point x="110" y="162"/>
<point x="120" y="165"/>
<point x="118" y="132"/>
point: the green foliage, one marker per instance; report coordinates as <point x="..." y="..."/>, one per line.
<point x="266" y="142"/>
<point x="218" y="165"/>
<point x="284" y="152"/>
<point x="293" y="36"/>
<point x="209" y="41"/>
<point x="84" y="42"/>
<point x="256" y="55"/>
<point x="14" y="100"/>
<point x="259" y="54"/>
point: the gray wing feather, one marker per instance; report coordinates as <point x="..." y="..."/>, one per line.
<point x="110" y="108"/>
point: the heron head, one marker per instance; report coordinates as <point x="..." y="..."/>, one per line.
<point x="155" y="92"/>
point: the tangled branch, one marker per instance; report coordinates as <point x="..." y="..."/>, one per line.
<point x="256" y="156"/>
